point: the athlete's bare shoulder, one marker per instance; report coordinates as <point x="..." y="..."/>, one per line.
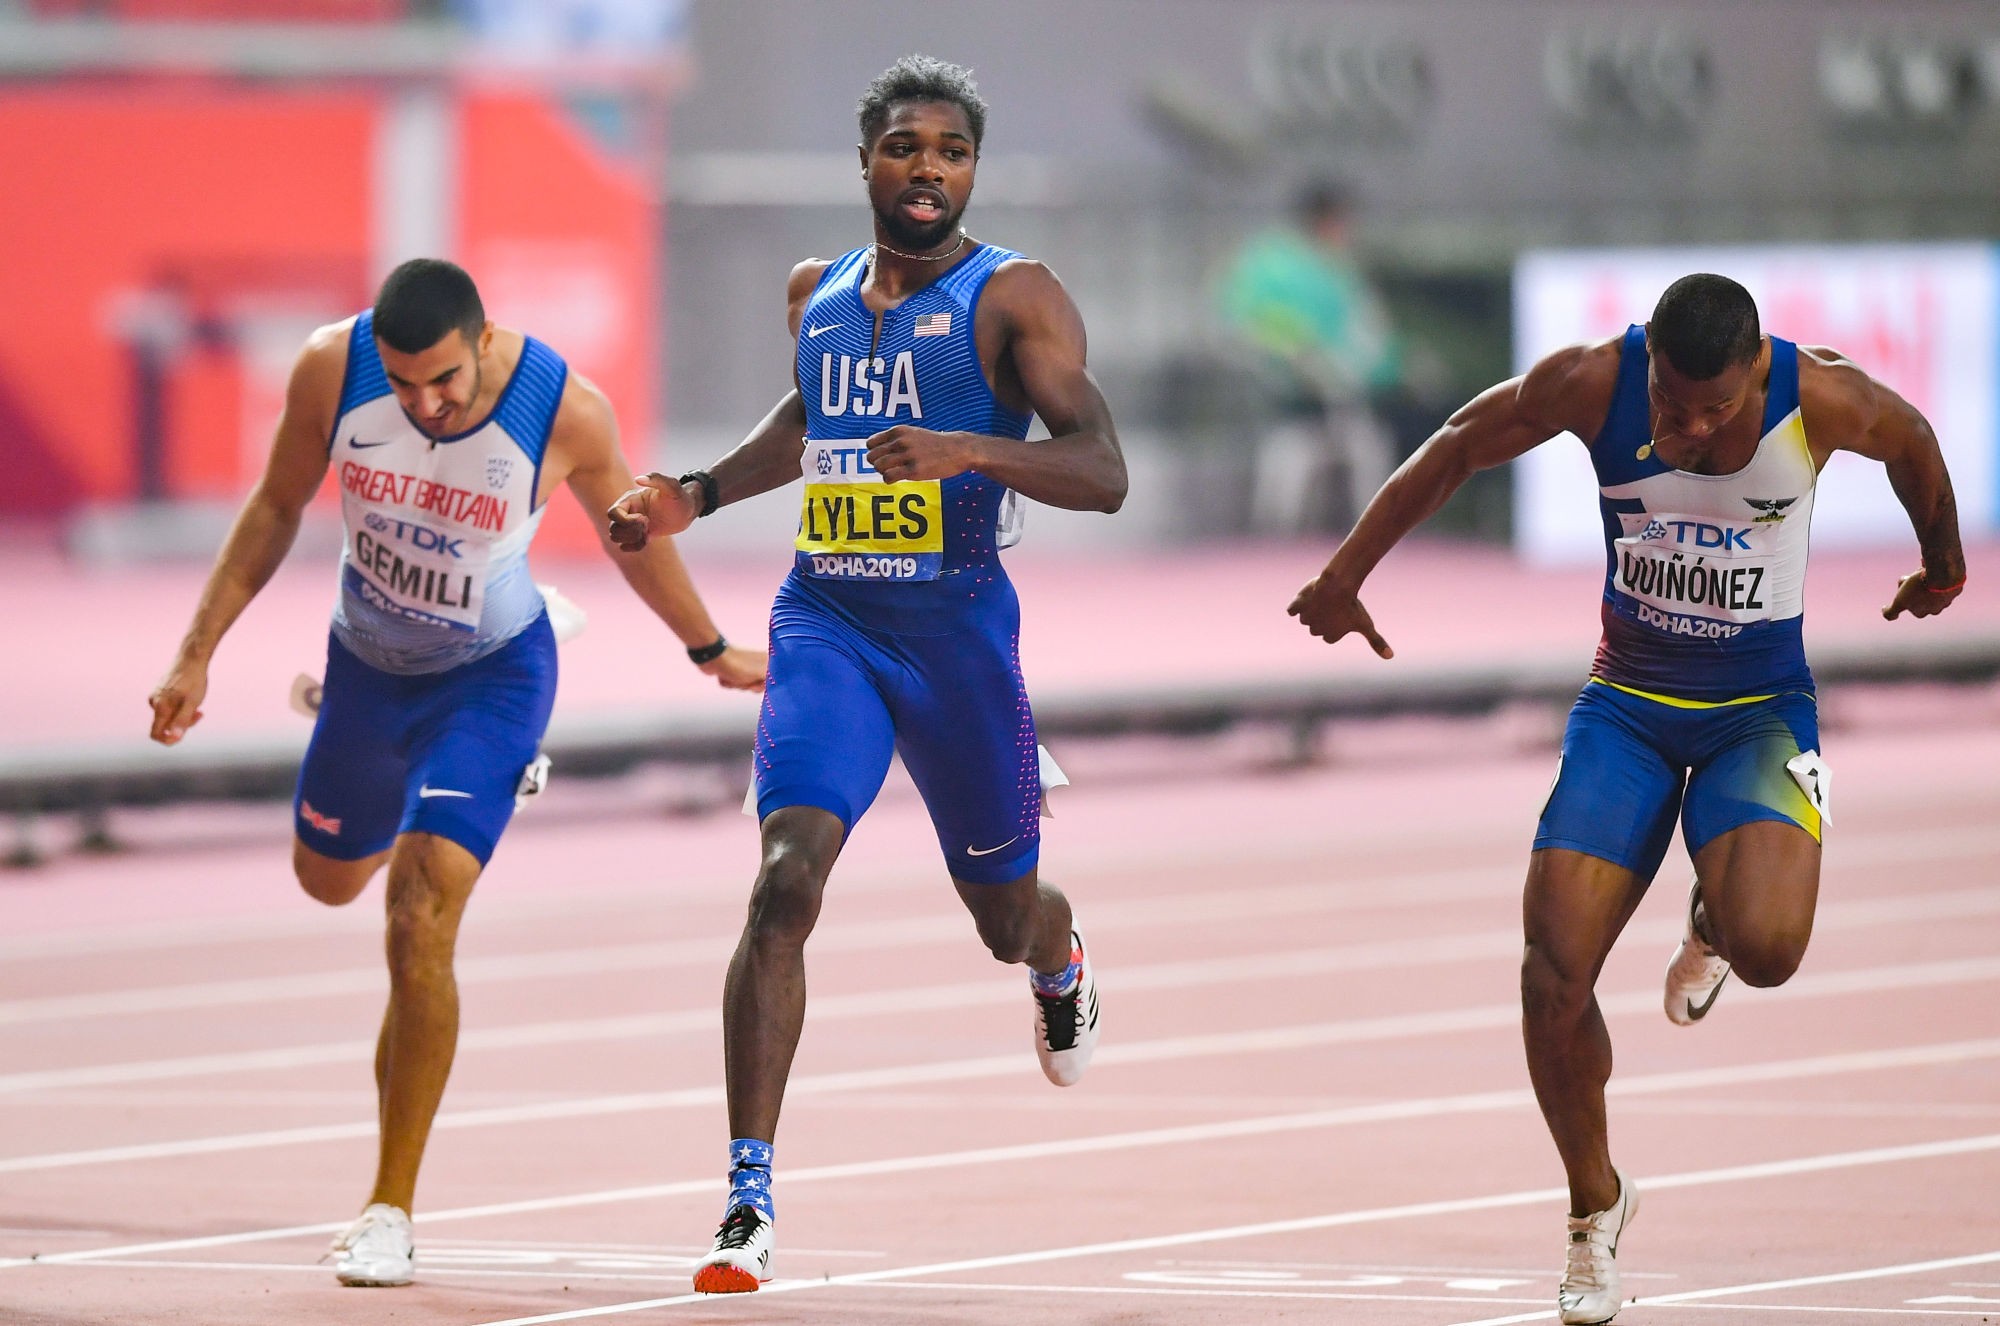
<point x="319" y="371"/>
<point x="1022" y="284"/>
<point x="1570" y="390"/>
<point x="1838" y="399"/>
<point x="799" y="288"/>
<point x="327" y="347"/>
<point x="584" y="407"/>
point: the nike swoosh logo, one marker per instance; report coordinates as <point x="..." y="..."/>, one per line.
<point x="359" y="445"/>
<point x="988" y="851"/>
<point x="1697" y="1012"/>
<point x="814" y="331"/>
<point x="429" y="791"/>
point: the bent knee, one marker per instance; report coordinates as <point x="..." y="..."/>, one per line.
<point x="326" y="880"/>
<point x="1767" y="962"/>
<point x="1548" y="993"/>
<point x="784" y="903"/>
<point x="1008" y="941"/>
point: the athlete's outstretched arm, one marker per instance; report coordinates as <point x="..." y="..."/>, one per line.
<point x="263" y="531"/>
<point x="1079" y="466"/>
<point x="1570" y="389"/>
<point x="767" y="459"/>
<point x="1861" y="415"/>
<point x="585" y="439"/>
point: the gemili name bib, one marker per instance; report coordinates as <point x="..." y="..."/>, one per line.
<point x="434" y="570"/>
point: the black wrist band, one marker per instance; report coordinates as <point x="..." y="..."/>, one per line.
<point x="710" y="497"/>
<point x="701" y="654"/>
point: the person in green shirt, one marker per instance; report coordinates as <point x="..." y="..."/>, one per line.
<point x="1320" y="338"/>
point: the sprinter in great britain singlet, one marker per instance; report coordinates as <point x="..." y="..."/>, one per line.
<point x="1701" y="673"/>
<point x="441" y="666"/>
<point x="898" y="630"/>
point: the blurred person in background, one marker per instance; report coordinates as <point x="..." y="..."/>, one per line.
<point x="450" y="435"/>
<point x="1317" y="335"/>
<point x="920" y="361"/>
<point x="1707" y="438"/>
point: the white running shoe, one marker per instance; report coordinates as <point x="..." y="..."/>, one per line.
<point x="1696" y="972"/>
<point x="1066" y="1025"/>
<point x="379" y="1248"/>
<point x="1589" y="1293"/>
<point x="741" y="1255"/>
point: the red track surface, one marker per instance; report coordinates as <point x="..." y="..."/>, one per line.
<point x="1310" y="1103"/>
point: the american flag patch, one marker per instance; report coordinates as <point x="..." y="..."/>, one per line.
<point x="934" y="324"/>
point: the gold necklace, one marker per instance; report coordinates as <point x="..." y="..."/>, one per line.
<point x="926" y="257"/>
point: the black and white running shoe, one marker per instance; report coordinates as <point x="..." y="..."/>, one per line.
<point x="1066" y="1024"/>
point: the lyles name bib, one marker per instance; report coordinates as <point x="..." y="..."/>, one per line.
<point x="856" y="525"/>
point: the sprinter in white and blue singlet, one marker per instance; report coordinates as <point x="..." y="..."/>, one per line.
<point x="447" y="436"/>
<point x="921" y="359"/>
<point x="1708" y="438"/>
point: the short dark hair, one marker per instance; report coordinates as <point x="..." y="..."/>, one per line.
<point x="422" y="301"/>
<point x="921" y="78"/>
<point x="1704" y="324"/>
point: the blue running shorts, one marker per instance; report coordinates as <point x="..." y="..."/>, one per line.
<point x="843" y="697"/>
<point x="1630" y="762"/>
<point x="438" y="753"/>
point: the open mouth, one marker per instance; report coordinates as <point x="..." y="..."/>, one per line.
<point x="923" y="206"/>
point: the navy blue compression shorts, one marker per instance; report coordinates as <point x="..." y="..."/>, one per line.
<point x="843" y="697"/>
<point x="1632" y="761"/>
<point x="438" y="753"/>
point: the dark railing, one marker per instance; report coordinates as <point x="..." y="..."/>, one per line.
<point x="92" y="779"/>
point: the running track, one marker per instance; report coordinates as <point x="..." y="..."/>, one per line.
<point x="1309" y="1106"/>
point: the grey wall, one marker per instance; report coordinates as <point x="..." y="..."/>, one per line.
<point x="1129" y="146"/>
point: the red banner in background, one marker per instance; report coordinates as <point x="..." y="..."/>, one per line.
<point x="180" y="240"/>
<point x="564" y="245"/>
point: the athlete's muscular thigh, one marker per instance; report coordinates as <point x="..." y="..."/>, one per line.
<point x="1760" y="887"/>
<point x="1572" y="911"/>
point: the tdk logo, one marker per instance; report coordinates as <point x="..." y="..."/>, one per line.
<point x="1654" y="530"/>
<point x="417" y="536"/>
<point x="1694" y="533"/>
<point x="847" y="460"/>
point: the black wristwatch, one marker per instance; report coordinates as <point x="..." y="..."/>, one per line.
<point x="710" y="496"/>
<point x="701" y="654"/>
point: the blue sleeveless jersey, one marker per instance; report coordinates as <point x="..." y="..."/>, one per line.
<point x="434" y="572"/>
<point x="1704" y="585"/>
<point x="909" y="555"/>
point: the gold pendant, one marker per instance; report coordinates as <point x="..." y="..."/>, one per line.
<point x="1645" y="451"/>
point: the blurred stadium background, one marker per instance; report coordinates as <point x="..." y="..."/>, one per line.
<point x="191" y="185"/>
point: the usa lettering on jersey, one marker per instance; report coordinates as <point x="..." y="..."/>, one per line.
<point x="869" y="387"/>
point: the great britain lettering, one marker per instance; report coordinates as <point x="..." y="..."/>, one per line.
<point x="481" y="511"/>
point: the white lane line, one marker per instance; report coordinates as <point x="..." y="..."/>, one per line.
<point x="1529" y="1197"/>
<point x="1315" y="897"/>
<point x="1312" y="897"/>
<point x="1763" y="1286"/>
<point x="1275" y="1292"/>
<point x="1869" y="915"/>
<point x="1265" y="1125"/>
<point x="1396" y="1027"/>
<point x="429" y="1271"/>
<point x="505" y="911"/>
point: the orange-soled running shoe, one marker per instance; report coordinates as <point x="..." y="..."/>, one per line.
<point x="741" y="1255"/>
